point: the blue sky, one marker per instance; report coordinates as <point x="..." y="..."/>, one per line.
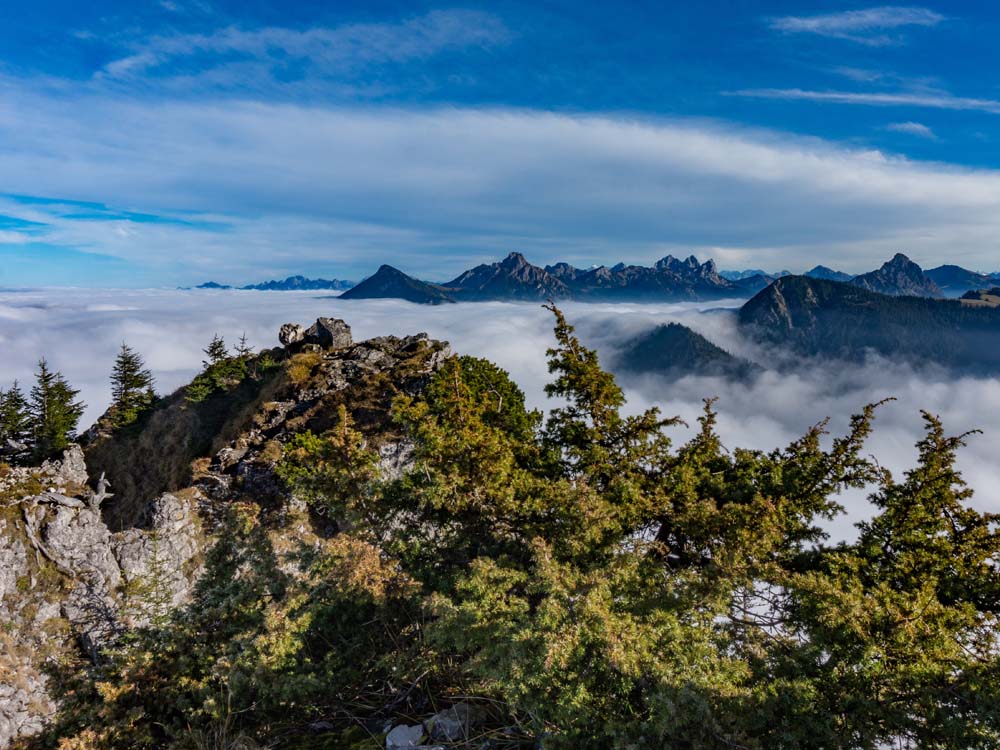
<point x="150" y="143"/>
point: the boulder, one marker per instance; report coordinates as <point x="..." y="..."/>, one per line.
<point x="70" y="469"/>
<point x="454" y="724"/>
<point x="291" y="333"/>
<point x="404" y="736"/>
<point x="330" y="333"/>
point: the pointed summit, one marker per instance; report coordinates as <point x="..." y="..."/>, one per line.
<point x="389" y="282"/>
<point x="514" y="260"/>
<point x="512" y="278"/>
<point x="899" y="276"/>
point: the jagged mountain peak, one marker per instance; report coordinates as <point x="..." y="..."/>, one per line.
<point x="512" y="278"/>
<point x="899" y="276"/>
<point x="514" y="259"/>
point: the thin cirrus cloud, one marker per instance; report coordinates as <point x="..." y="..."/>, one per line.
<point x="319" y="51"/>
<point x="868" y="26"/>
<point x="912" y="128"/>
<point x="935" y="100"/>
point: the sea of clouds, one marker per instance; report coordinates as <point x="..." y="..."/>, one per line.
<point x="79" y="332"/>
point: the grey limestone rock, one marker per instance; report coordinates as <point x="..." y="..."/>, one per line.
<point x="70" y="469"/>
<point x="454" y="723"/>
<point x="330" y="333"/>
<point x="404" y="736"/>
<point x="291" y="333"/>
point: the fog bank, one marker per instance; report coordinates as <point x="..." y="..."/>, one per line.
<point x="79" y="331"/>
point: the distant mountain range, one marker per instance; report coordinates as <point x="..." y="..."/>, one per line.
<point x="955" y="280"/>
<point x="291" y="284"/>
<point x="746" y="274"/>
<point x="514" y="278"/>
<point x="669" y="279"/>
<point x="822" y="272"/>
<point x="836" y="321"/>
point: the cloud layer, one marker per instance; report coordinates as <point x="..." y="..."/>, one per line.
<point x="80" y="331"/>
<point x="247" y="190"/>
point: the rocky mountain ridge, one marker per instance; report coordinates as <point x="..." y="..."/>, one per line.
<point x="670" y="279"/>
<point x="815" y="317"/>
<point x="110" y="536"/>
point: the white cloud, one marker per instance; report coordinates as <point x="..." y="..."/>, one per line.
<point x="912" y="128"/>
<point x="80" y="331"/>
<point x="278" y="188"/>
<point x="932" y="100"/>
<point x="862" y="26"/>
<point x="233" y="53"/>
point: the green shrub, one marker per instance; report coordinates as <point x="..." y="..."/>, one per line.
<point x="593" y="584"/>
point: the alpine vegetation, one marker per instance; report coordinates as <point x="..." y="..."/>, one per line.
<point x="394" y="551"/>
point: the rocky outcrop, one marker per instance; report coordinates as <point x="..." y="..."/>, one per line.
<point x="68" y="582"/>
<point x="291" y="333"/>
<point x="71" y="579"/>
<point x="329" y="333"/>
<point x="364" y="377"/>
<point x="454" y="725"/>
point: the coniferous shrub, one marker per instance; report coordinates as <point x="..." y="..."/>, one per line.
<point x="55" y="411"/>
<point x="585" y="583"/>
<point x="132" y="387"/>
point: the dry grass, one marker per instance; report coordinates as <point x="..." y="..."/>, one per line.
<point x="300" y="367"/>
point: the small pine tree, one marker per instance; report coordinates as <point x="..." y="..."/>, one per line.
<point x="216" y="351"/>
<point x="243" y="348"/>
<point x="15" y="419"/>
<point x="150" y="596"/>
<point x="55" y="411"/>
<point x="131" y="387"/>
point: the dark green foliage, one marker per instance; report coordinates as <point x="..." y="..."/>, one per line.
<point x="502" y="398"/>
<point x="216" y="351"/>
<point x="593" y="584"/>
<point x="243" y="349"/>
<point x="55" y="411"/>
<point x="131" y="387"/>
<point x="222" y="372"/>
<point x="15" y="416"/>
